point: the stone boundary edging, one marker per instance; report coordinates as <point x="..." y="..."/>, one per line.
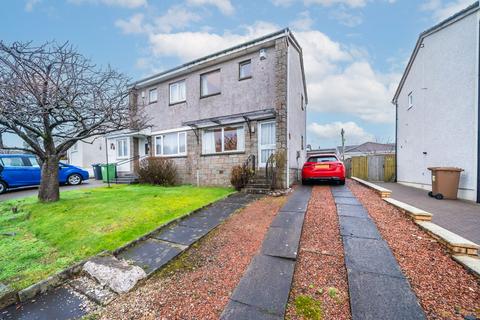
<point x="383" y="192"/>
<point x="60" y="277"/>
<point x="415" y="213"/>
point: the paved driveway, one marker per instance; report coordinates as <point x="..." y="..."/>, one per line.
<point x="459" y="216"/>
<point x="25" y="192"/>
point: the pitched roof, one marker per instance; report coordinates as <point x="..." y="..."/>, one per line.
<point x="371" y="147"/>
<point x="452" y="19"/>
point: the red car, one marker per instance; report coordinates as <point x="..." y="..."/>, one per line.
<point x="323" y="167"/>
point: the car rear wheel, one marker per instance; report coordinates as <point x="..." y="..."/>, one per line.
<point x="74" y="179"/>
<point x="3" y="187"/>
<point x="342" y="182"/>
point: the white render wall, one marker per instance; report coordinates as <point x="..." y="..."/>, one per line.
<point x="443" y="120"/>
<point x="296" y="116"/>
<point x="88" y="153"/>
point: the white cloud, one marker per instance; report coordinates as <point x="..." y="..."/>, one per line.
<point x="131" y="26"/>
<point x="282" y="3"/>
<point x="346" y="18"/>
<point x="117" y="3"/>
<point x="30" y="4"/>
<point x="442" y="10"/>
<point x="303" y="22"/>
<point x="225" y="6"/>
<point x="330" y="133"/>
<point x="329" y="3"/>
<point x="176" y="17"/>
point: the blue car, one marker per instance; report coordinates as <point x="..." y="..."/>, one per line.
<point x="23" y="170"/>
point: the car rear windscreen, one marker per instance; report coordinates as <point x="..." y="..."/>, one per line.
<point x="322" y="159"/>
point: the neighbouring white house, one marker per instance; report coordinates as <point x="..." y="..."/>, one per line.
<point x="437" y="105"/>
<point x="85" y="153"/>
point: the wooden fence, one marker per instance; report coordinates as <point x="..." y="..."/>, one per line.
<point x="372" y="167"/>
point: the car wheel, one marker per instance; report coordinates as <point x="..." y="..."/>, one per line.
<point x="342" y="182"/>
<point x="430" y="194"/>
<point x="304" y="182"/>
<point x="74" y="179"/>
<point x="439" y="196"/>
<point x="3" y="187"/>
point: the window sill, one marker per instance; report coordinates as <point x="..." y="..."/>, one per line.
<point x="244" y="78"/>
<point x="210" y="95"/>
<point x="152" y="102"/>
<point x="175" y="103"/>
<point x="171" y="156"/>
<point x="226" y="153"/>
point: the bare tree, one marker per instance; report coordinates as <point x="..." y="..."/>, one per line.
<point x="51" y="97"/>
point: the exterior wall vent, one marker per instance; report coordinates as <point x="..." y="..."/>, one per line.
<point x="263" y="54"/>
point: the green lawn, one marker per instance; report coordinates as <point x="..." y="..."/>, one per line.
<point x="50" y="237"/>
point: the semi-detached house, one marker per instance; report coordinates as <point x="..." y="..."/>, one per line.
<point x="211" y="114"/>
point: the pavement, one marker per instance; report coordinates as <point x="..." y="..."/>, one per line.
<point x="377" y="287"/>
<point x="458" y="216"/>
<point x="150" y="253"/>
<point x="33" y="191"/>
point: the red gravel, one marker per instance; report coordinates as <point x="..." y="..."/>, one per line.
<point x="444" y="288"/>
<point x="320" y="263"/>
<point x="198" y="284"/>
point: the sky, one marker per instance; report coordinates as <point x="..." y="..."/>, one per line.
<point x="355" y="51"/>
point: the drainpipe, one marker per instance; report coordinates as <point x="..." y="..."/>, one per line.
<point x="478" y="115"/>
<point x="396" y="141"/>
<point x="288" y="115"/>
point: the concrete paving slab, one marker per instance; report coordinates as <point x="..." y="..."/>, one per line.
<point x="239" y="311"/>
<point x="241" y="198"/>
<point x="266" y="284"/>
<point x="343" y="194"/>
<point x="352" y="211"/>
<point x="350" y="201"/>
<point x="471" y="263"/>
<point x="282" y="242"/>
<point x="150" y="255"/>
<point x="358" y="227"/>
<point x="220" y="209"/>
<point x="375" y="296"/>
<point x="287" y="219"/>
<point x="370" y="255"/>
<point x="59" y="303"/>
<point x="202" y="221"/>
<point x="92" y="289"/>
<point x="181" y="234"/>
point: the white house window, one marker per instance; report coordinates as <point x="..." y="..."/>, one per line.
<point x="177" y="92"/>
<point x="225" y="139"/>
<point x="152" y="95"/>
<point x="410" y="100"/>
<point x="245" y="70"/>
<point x="122" y="148"/>
<point x="171" y="144"/>
<point x="210" y="83"/>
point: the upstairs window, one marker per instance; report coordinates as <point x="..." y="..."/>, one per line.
<point x="410" y="100"/>
<point x="177" y="92"/>
<point x="171" y="144"/>
<point x="210" y="83"/>
<point x="226" y="139"/>
<point x="152" y="95"/>
<point x="245" y="70"/>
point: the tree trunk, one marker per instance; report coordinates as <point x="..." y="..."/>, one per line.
<point x="49" y="187"/>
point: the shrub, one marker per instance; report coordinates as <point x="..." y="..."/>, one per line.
<point x="161" y="171"/>
<point x="239" y="176"/>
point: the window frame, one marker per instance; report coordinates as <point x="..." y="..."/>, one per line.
<point x="210" y="94"/>
<point x="149" y="95"/>
<point x="161" y="136"/>
<point x="117" y="145"/>
<point x="242" y="63"/>
<point x="410" y="100"/>
<point x="236" y="126"/>
<point x="170" y="102"/>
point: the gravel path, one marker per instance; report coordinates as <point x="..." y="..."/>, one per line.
<point x="320" y="272"/>
<point x="444" y="288"/>
<point x="198" y="284"/>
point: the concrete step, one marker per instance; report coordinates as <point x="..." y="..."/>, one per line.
<point x="256" y="190"/>
<point x="415" y="213"/>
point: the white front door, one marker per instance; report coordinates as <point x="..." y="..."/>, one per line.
<point x="266" y="141"/>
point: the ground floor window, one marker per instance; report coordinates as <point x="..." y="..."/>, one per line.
<point x="224" y="139"/>
<point x="122" y="148"/>
<point x="171" y="144"/>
